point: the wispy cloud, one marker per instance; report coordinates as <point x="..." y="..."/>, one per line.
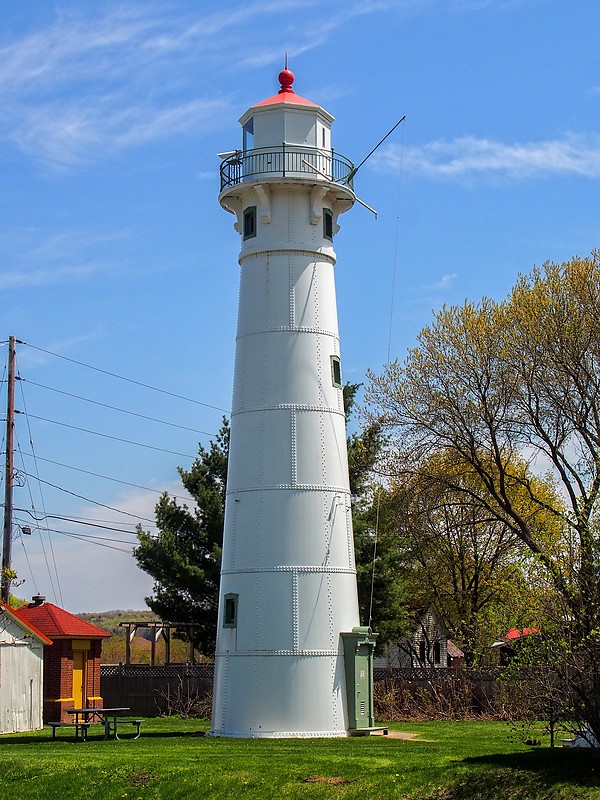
<point x="469" y="157"/>
<point x="31" y="260"/>
<point x="444" y="282"/>
<point x="93" y="84"/>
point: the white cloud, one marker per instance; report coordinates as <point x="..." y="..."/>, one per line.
<point x="97" y="574"/>
<point x="468" y="157"/>
<point x="34" y="260"/>
<point x="92" y="84"/>
<point x="444" y="282"/>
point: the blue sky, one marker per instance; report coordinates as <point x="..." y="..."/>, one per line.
<point x="115" y="254"/>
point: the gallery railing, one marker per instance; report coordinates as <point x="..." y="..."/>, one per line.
<point x="286" y="161"/>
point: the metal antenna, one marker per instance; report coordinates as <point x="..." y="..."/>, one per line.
<point x="367" y="157"/>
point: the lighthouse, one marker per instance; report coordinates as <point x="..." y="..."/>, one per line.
<point x="288" y="595"/>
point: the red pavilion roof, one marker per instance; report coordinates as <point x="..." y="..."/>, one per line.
<point x="55" y="622"/>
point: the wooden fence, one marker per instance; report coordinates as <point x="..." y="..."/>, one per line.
<point x="399" y="693"/>
<point x="151" y="690"/>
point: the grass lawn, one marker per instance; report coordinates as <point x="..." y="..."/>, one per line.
<point x="173" y="759"/>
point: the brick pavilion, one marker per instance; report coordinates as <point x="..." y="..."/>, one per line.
<point x="71" y="663"/>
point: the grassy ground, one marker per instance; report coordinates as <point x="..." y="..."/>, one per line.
<point x="174" y="760"/>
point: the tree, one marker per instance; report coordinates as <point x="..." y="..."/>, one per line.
<point x="184" y="558"/>
<point x="495" y="384"/>
<point x="379" y="554"/>
<point x="464" y="559"/>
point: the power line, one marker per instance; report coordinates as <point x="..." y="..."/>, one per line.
<point x="89" y="537"/>
<point x="69" y="517"/>
<point x="108" y="436"/>
<point x="96" y="474"/>
<point x="78" y="522"/>
<point x="98" y="544"/>
<point x="88" y="500"/>
<point x="116" y="408"/>
<point x="129" y="380"/>
<point x="43" y="505"/>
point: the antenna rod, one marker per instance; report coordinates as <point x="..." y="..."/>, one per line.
<point x="367" y="157"/>
<point x="9" y="474"/>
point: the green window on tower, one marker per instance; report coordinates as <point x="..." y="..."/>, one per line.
<point x="230" y="611"/>
<point x="327" y="224"/>
<point x="250" y="222"/>
<point x="336" y="372"/>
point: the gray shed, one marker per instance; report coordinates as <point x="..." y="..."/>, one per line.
<point x="21" y="674"/>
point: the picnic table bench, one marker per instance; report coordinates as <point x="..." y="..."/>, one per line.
<point x="128" y="720"/>
<point x="81" y="728"/>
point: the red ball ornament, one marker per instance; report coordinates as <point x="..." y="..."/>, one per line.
<point x="286" y="78"/>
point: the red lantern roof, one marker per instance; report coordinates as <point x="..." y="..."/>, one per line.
<point x="57" y="623"/>
<point x="286" y="94"/>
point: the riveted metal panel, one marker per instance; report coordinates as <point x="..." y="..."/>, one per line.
<point x="322" y="455"/>
<point x="307" y="691"/>
<point x="288" y="528"/>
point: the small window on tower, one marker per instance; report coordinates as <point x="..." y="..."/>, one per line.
<point x="250" y="222"/>
<point x="327" y="224"/>
<point x="248" y="135"/>
<point x="336" y="372"/>
<point x="230" y="611"/>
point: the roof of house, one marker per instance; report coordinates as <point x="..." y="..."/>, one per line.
<point x="453" y="650"/>
<point x="515" y="633"/>
<point x="56" y="623"/>
<point x="28" y="627"/>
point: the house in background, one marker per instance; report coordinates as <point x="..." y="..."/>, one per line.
<point x="72" y="664"/>
<point x="21" y="673"/>
<point x="429" y="645"/>
<point x="507" y="646"/>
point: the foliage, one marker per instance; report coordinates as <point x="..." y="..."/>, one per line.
<point x="463" y="557"/>
<point x="172" y="759"/>
<point x="495" y="384"/>
<point x="185" y="557"/>
<point x="182" y="700"/>
<point x="378" y="551"/>
<point x="16" y="602"/>
<point x="451" y="694"/>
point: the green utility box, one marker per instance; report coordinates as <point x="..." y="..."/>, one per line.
<point x="359" y="646"/>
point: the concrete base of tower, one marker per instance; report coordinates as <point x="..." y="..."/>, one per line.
<point x="279" y="734"/>
<point x="280" y="696"/>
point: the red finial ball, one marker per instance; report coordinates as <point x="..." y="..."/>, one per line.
<point x="286" y="78"/>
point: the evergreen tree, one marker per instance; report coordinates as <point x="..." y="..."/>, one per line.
<point x="378" y="549"/>
<point x="184" y="558"/>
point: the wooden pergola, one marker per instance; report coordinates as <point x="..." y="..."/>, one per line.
<point x="159" y="629"/>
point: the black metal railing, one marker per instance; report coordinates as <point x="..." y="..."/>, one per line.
<point x="286" y="161"/>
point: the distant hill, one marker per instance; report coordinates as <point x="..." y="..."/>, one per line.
<point x="113" y="650"/>
<point x="110" y="620"/>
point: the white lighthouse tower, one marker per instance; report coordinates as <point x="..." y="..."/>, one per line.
<point x="288" y="580"/>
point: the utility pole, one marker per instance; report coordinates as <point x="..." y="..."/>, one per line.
<point x="9" y="473"/>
